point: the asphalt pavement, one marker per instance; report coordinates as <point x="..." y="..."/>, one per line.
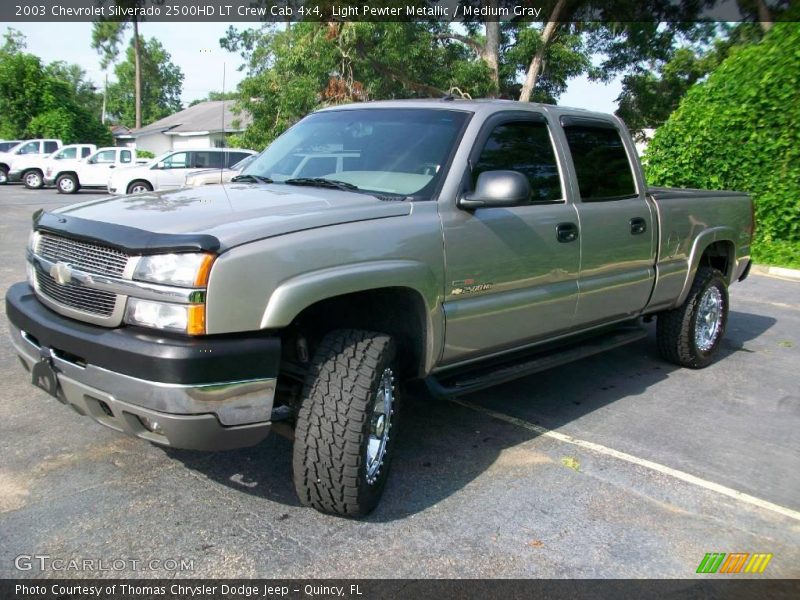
<point x="619" y="465"/>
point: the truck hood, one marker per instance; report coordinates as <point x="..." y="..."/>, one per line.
<point x="236" y="213"/>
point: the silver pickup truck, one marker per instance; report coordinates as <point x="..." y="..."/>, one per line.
<point x="459" y="243"/>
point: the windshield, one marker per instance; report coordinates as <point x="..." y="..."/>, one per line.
<point x="378" y="150"/>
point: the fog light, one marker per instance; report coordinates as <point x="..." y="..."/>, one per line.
<point x="151" y="425"/>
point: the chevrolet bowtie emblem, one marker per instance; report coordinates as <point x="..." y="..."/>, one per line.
<point x="61" y="272"/>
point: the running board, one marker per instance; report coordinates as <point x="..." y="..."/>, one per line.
<point x="466" y="381"/>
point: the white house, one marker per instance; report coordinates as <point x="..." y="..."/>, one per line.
<point x="206" y="124"/>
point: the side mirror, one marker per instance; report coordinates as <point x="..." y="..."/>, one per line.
<point x="496" y="189"/>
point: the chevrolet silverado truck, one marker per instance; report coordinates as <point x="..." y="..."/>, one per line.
<point x="458" y="243"/>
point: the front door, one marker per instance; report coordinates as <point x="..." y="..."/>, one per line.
<point x="98" y="168"/>
<point x="510" y="277"/>
<point x="173" y="172"/>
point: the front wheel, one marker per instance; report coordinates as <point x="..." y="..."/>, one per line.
<point x="33" y="180"/>
<point x="346" y="427"/>
<point x="690" y="334"/>
<point x="66" y="184"/>
<point x="138" y="187"/>
<point x="3" y="175"/>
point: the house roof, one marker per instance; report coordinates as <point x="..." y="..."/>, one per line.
<point x="206" y="117"/>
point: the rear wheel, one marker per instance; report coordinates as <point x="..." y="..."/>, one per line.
<point x="346" y="427"/>
<point x="690" y="334"/>
<point x="33" y="179"/>
<point x="67" y="184"/>
<point x="137" y="187"/>
<point x="3" y="174"/>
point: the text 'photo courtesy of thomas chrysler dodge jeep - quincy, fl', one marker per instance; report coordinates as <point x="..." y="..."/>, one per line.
<point x="454" y="243"/>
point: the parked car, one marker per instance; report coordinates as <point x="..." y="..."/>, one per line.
<point x="6" y="145"/>
<point x="25" y="149"/>
<point x="468" y="244"/>
<point x="30" y="168"/>
<point x="169" y="170"/>
<point x="69" y="176"/>
<point x="211" y="176"/>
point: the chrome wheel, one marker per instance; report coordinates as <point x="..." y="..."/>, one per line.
<point x="709" y="319"/>
<point x="33" y="180"/>
<point x="379" y="426"/>
<point x="138" y="188"/>
<point x="66" y="185"/>
<point x="3" y="176"/>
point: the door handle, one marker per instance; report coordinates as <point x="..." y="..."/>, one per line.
<point x="566" y="232"/>
<point x="638" y="226"/>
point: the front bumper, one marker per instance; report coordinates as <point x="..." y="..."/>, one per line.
<point x="211" y="393"/>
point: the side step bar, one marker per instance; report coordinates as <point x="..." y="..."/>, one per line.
<point x="466" y="381"/>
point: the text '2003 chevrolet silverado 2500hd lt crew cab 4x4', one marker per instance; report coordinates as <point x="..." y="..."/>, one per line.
<point x="463" y="243"/>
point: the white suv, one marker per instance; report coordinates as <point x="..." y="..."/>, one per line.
<point x="21" y="150"/>
<point x="169" y="170"/>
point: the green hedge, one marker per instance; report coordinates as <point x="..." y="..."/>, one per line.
<point x="740" y="130"/>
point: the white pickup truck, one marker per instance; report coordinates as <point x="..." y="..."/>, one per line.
<point x="91" y="172"/>
<point x="30" y="168"/>
<point x="23" y="150"/>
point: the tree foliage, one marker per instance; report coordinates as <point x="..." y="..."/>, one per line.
<point x="162" y="82"/>
<point x="740" y="129"/>
<point x="52" y="100"/>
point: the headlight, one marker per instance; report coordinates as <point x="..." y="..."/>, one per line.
<point x="33" y="239"/>
<point x="182" y="318"/>
<point x="187" y="270"/>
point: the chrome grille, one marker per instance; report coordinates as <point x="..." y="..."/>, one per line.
<point x="76" y="296"/>
<point x="83" y="256"/>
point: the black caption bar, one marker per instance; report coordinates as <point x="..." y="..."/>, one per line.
<point x="374" y="589"/>
<point x="255" y="11"/>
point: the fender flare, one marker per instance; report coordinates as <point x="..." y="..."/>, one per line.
<point x="699" y="246"/>
<point x="298" y="293"/>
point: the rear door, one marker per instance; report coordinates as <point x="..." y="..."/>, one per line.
<point x="616" y="222"/>
<point x="509" y="279"/>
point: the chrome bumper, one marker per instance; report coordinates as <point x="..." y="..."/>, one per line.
<point x="203" y="417"/>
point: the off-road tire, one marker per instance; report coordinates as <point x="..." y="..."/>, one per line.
<point x="675" y="331"/>
<point x="333" y="424"/>
<point x="75" y="186"/>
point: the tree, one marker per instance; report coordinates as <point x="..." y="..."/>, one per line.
<point x="160" y="90"/>
<point x="739" y="130"/>
<point x="46" y="101"/>
<point x="214" y="96"/>
<point x="107" y="37"/>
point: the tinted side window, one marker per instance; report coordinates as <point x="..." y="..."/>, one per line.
<point x="234" y="157"/>
<point x="85" y="152"/>
<point x="208" y="160"/>
<point x="523" y="146"/>
<point x="68" y="153"/>
<point x="29" y="148"/>
<point x="601" y="163"/>
<point x="125" y="156"/>
<point x="50" y="147"/>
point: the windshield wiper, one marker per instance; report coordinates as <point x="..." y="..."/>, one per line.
<point x="251" y="178"/>
<point x="322" y="182"/>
